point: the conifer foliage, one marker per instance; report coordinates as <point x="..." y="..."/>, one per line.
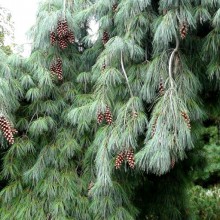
<point x="105" y="125"/>
<point x="42" y="167"/>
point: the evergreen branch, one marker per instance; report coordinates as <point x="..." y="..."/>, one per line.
<point x="64" y="7"/>
<point x="125" y="74"/>
<point x="126" y="77"/>
<point x="171" y="62"/>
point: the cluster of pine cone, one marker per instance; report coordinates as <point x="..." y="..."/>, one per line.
<point x="63" y="35"/>
<point x="56" y="68"/>
<point x="125" y="155"/>
<point x="183" y="30"/>
<point x="107" y="115"/>
<point x="186" y="119"/>
<point x="7" y="129"/>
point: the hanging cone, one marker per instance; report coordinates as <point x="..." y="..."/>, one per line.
<point x="62" y="28"/>
<point x="7" y="129"/>
<point x="59" y="70"/>
<point x="70" y="37"/>
<point x="108" y="115"/>
<point x="186" y="119"/>
<point x="161" y="88"/>
<point x="130" y="158"/>
<point x="119" y="160"/>
<point x="105" y="37"/>
<point x="53" y="38"/>
<point x="63" y="43"/>
<point x="56" y="69"/>
<point x="154" y="127"/>
<point x="53" y="69"/>
<point x="183" y="30"/>
<point x="100" y="117"/>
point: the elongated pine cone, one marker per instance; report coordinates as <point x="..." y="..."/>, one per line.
<point x="100" y="117"/>
<point x="130" y="158"/>
<point x="183" y="30"/>
<point x="154" y="127"/>
<point x="7" y="129"/>
<point x="53" y="38"/>
<point x="63" y="43"/>
<point x="186" y="119"/>
<point x="62" y="28"/>
<point x="119" y="160"/>
<point x="105" y="37"/>
<point x="108" y="116"/>
<point x="56" y="68"/>
<point x="71" y="37"/>
<point x="161" y="88"/>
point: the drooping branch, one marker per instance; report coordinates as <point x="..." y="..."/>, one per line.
<point x="125" y="75"/>
<point x="64" y="8"/>
<point x="171" y="62"/>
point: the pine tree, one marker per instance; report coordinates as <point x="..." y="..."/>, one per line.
<point x="108" y="127"/>
<point x="43" y="166"/>
<point x="146" y="69"/>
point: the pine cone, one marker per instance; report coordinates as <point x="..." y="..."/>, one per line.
<point x="130" y="158"/>
<point x="100" y="117"/>
<point x="119" y="160"/>
<point x="53" y="69"/>
<point x="62" y="28"/>
<point x="71" y="37"/>
<point x="161" y="88"/>
<point x="154" y="127"/>
<point x="53" y="38"/>
<point x="108" y="115"/>
<point x="186" y="119"/>
<point x="56" y="69"/>
<point x="63" y="42"/>
<point x="183" y="30"/>
<point x="105" y="37"/>
<point x="7" y="129"/>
